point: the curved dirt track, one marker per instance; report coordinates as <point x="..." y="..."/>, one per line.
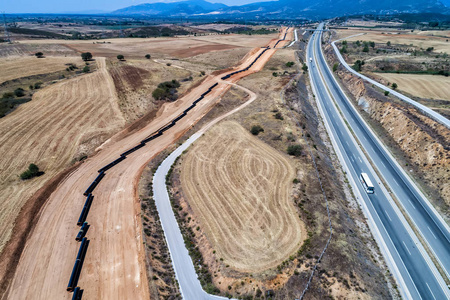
<point x="114" y="266"/>
<point x="239" y="187"/>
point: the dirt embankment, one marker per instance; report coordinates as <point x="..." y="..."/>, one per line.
<point x="421" y="145"/>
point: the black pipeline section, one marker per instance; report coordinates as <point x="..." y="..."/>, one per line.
<point x="77" y="293"/>
<point x="78" y="265"/>
<point x="94" y="184"/>
<point x="85" y="210"/>
<point x="83" y="230"/>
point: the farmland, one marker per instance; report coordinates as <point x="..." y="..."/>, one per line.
<point x="20" y="66"/>
<point x="240" y="188"/>
<point x="423" y="86"/>
<point x="65" y="121"/>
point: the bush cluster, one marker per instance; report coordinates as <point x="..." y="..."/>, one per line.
<point x="167" y="90"/>
<point x="32" y="171"/>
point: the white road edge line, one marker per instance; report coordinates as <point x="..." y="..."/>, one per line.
<point x="406" y="248"/>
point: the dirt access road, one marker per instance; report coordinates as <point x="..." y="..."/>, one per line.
<point x="114" y="267"/>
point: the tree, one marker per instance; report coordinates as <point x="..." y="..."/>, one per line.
<point x="86" y="69"/>
<point x="32" y="171"/>
<point x="19" y="92"/>
<point x="394" y="86"/>
<point x="386" y="93"/>
<point x="358" y="65"/>
<point x="256" y="129"/>
<point x="120" y="57"/>
<point x="366" y="48"/>
<point x="148" y="56"/>
<point x="372" y="44"/>
<point x="388" y="43"/>
<point x="86" y="56"/>
<point x="39" y="54"/>
<point x="344" y="49"/>
<point x="37" y="85"/>
<point x="429" y="49"/>
<point x="344" y="43"/>
<point x="294" y="150"/>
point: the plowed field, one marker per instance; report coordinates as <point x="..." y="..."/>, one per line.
<point x="240" y="187"/>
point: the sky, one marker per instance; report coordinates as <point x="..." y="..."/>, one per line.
<point x="61" y="6"/>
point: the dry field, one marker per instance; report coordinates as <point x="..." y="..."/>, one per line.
<point x="114" y="264"/>
<point x="239" y="187"/>
<point x="24" y="49"/>
<point x="19" y="66"/>
<point x="406" y="38"/>
<point x="64" y="121"/>
<point x="423" y="86"/>
<point x="161" y="47"/>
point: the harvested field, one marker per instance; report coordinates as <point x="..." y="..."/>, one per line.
<point x="63" y="122"/>
<point x="25" y="49"/>
<point x="423" y="86"/>
<point x="17" y="66"/>
<point x="439" y="43"/>
<point x="180" y="47"/>
<point x="240" y="188"/>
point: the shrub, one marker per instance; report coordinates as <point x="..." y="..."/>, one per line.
<point x="256" y="129"/>
<point x="358" y="65"/>
<point x="275" y="74"/>
<point x="168" y="64"/>
<point x="39" y="54"/>
<point x="148" y="56"/>
<point x="294" y="150"/>
<point x="388" y="43"/>
<point x="394" y="86"/>
<point x="37" y="85"/>
<point x="305" y="68"/>
<point x="386" y="93"/>
<point x="120" y="57"/>
<point x="86" y="69"/>
<point x="8" y="95"/>
<point x="429" y="49"/>
<point x="279" y="116"/>
<point x="343" y="49"/>
<point x="32" y="171"/>
<point x="86" y="56"/>
<point x="366" y="48"/>
<point x="335" y="67"/>
<point x="289" y="64"/>
<point x="19" y="92"/>
<point x="203" y="73"/>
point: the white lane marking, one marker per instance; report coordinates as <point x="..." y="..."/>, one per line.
<point x="396" y="182"/>
<point x="347" y="143"/>
<point x="360" y="159"/>
<point x="383" y="164"/>
<point x="411" y="203"/>
<point x="351" y="157"/>
<point x="431" y="232"/>
<point x="388" y="215"/>
<point x="406" y="247"/>
<point x="431" y="291"/>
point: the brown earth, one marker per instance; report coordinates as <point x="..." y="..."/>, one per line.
<point x="239" y="187"/>
<point x="113" y="266"/>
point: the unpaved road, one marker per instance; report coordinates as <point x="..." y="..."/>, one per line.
<point x="114" y="264"/>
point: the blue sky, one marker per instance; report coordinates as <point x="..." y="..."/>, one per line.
<point x="57" y="6"/>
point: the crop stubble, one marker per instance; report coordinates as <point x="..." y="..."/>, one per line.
<point x="240" y="188"/>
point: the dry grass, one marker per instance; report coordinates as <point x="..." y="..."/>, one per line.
<point x="19" y="66"/>
<point x="423" y="86"/>
<point x="405" y="38"/>
<point x="240" y="189"/>
<point x="64" y="121"/>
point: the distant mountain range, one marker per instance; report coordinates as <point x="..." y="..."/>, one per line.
<point x="284" y="8"/>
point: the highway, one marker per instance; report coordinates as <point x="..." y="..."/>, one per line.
<point x="416" y="275"/>
<point x="426" y="219"/>
<point x="426" y="110"/>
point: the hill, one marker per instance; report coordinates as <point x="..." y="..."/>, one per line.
<point x="284" y="8"/>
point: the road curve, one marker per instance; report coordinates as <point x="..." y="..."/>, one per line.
<point x="184" y="268"/>
<point x="426" y="110"/>
<point x="417" y="276"/>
